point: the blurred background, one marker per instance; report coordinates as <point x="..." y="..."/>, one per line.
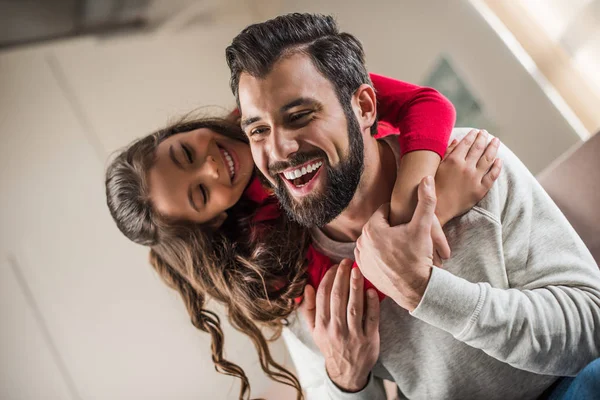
<point x="82" y="314"/>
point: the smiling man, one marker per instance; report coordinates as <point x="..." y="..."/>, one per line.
<point x="517" y="305"/>
<point x="314" y="170"/>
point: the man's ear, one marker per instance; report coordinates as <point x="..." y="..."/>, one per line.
<point x="364" y="102"/>
<point x="217" y="221"/>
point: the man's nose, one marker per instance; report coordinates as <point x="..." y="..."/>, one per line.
<point x="283" y="144"/>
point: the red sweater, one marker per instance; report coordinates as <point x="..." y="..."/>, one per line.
<point x="422" y="118"/>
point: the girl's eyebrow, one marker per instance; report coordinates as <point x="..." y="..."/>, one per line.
<point x="173" y="158"/>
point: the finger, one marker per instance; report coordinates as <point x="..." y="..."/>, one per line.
<point x="477" y="148"/>
<point x="451" y="148"/>
<point x="462" y="148"/>
<point x="437" y="260"/>
<point x="339" y="295"/>
<point x="357" y="255"/>
<point x="493" y="174"/>
<point x="383" y="213"/>
<point x="309" y="306"/>
<point x="323" y="294"/>
<point x="425" y="211"/>
<point x="380" y="217"/>
<point x="440" y="243"/>
<point x="488" y="157"/>
<point x="379" y="220"/>
<point x="355" y="302"/>
<point x="371" y="324"/>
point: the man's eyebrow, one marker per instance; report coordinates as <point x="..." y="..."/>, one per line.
<point x="173" y="158"/>
<point x="249" y="121"/>
<point x="191" y="200"/>
<point x="301" y="101"/>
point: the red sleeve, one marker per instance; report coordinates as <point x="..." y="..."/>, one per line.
<point x="422" y="116"/>
<point x="319" y="264"/>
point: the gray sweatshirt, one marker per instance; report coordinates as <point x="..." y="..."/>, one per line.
<point x="516" y="305"/>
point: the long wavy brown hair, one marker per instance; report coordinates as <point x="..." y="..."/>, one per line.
<point x="255" y="271"/>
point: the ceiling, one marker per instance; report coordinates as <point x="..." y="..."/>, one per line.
<point x="30" y="21"/>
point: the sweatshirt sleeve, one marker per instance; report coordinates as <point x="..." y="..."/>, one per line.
<point x="422" y="115"/>
<point x="547" y="320"/>
<point x="310" y="369"/>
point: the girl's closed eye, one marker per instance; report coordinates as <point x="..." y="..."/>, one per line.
<point x="204" y="194"/>
<point x="188" y="154"/>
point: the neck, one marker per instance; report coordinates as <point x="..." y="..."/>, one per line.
<point x="375" y="188"/>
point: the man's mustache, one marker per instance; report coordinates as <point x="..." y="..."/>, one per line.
<point x="294" y="160"/>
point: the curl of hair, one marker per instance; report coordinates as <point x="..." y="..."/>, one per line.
<point x="256" y="276"/>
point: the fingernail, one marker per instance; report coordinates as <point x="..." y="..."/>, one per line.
<point x="371" y="293"/>
<point x="355" y="273"/>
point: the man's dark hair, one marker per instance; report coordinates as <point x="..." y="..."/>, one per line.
<point x="338" y="56"/>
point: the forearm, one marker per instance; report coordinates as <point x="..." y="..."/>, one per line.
<point x="414" y="166"/>
<point x="548" y="331"/>
<point x="522" y="287"/>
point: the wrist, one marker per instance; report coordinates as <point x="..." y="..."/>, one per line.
<point x="413" y="288"/>
<point x="351" y="385"/>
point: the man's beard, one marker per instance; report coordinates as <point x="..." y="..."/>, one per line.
<point x="342" y="181"/>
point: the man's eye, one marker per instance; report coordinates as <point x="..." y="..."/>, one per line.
<point x="188" y="153"/>
<point x="258" y="131"/>
<point x="299" y="116"/>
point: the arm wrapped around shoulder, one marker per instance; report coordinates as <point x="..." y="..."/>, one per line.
<point x="546" y="317"/>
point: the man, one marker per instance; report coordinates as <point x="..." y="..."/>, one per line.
<point x="515" y="307"/>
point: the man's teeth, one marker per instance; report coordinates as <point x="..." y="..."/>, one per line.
<point x="229" y="162"/>
<point x="297" y="173"/>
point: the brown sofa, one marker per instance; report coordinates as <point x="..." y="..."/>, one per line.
<point x="573" y="182"/>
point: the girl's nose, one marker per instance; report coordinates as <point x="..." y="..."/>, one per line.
<point x="211" y="167"/>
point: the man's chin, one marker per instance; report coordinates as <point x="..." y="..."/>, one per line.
<point x="323" y="200"/>
<point x="308" y="211"/>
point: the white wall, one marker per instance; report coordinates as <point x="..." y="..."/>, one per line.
<point x="403" y="39"/>
<point x="86" y="316"/>
<point x="118" y="331"/>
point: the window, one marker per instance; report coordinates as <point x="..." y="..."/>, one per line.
<point x="563" y="39"/>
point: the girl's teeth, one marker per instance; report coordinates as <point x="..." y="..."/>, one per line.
<point x="230" y="163"/>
